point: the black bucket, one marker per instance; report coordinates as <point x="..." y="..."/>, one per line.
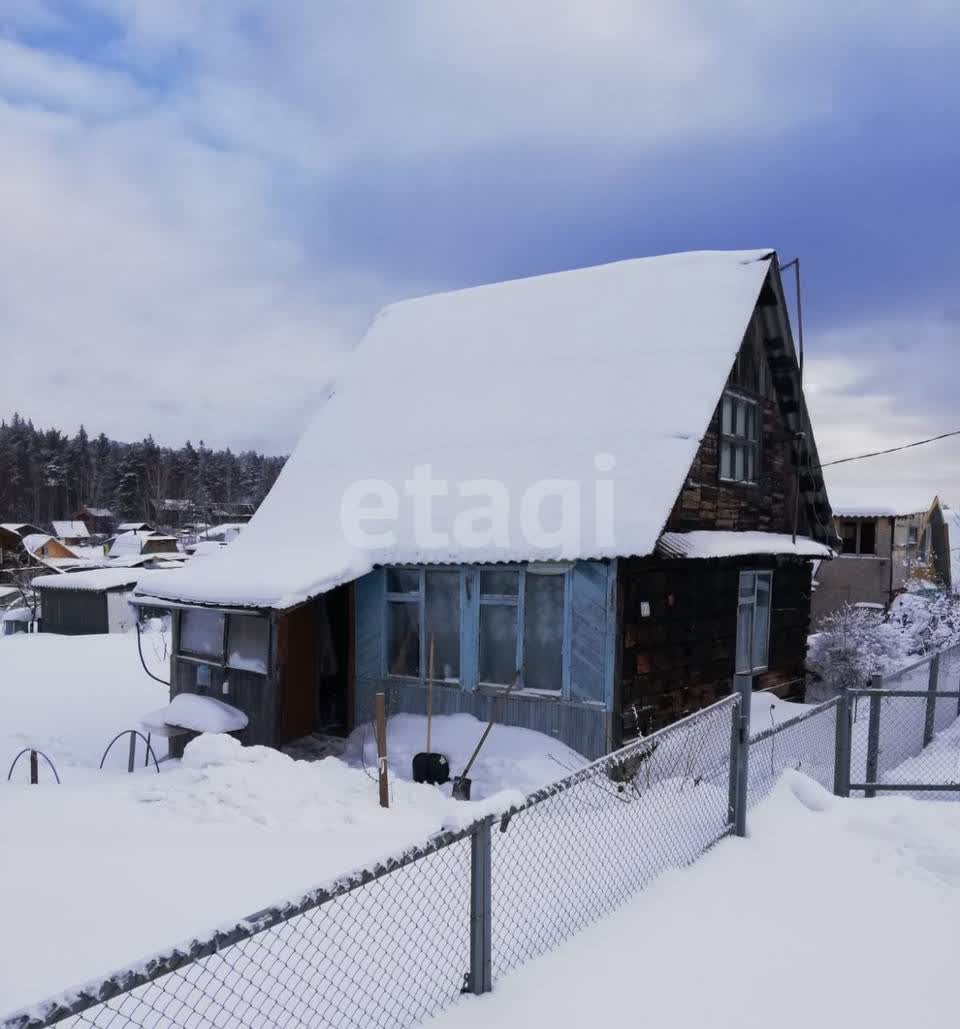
<point x="431" y="768"/>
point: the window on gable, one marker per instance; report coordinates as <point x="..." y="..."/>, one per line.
<point x="739" y="438"/>
<point x="423" y="607"/>
<point x="753" y="622"/>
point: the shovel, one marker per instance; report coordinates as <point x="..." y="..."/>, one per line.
<point x="461" y="783"/>
<point x="429" y="766"/>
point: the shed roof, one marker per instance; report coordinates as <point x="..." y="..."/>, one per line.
<point x="878" y="501"/>
<point x="611" y="372"/>
<point x="70" y="529"/>
<point x="96" y="579"/>
<point x="99" y="512"/>
<point x="705" y="543"/>
<point x="134" y="527"/>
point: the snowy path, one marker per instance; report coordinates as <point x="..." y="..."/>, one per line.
<point x="782" y="929"/>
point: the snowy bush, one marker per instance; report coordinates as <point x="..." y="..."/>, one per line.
<point x="853" y="645"/>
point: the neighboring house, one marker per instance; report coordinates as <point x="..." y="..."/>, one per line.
<point x="882" y="544"/>
<point x="240" y="512"/>
<point x="69" y="532"/>
<point x="135" y="527"/>
<point x="940" y="544"/>
<point x="172" y="512"/>
<point x="87" y="602"/>
<point x="100" y="521"/>
<point x="658" y="400"/>
<point x="135" y="544"/>
<point x="52" y="552"/>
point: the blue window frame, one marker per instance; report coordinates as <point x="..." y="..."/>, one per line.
<point x="484" y="625"/>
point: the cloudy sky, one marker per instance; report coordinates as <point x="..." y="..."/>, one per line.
<point x="202" y="203"/>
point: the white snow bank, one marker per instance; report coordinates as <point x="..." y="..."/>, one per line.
<point x="818" y="879"/>
<point x="707" y="543"/>
<point x="69" y="695"/>
<point x="199" y="713"/>
<point x="519" y="760"/>
<point x="768" y="711"/>
<point x="654" y="338"/>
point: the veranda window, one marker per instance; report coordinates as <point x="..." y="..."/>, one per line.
<point x="423" y="606"/>
<point x="753" y="622"/>
<point x="201" y="633"/>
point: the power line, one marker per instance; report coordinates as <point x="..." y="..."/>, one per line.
<point x="889" y="450"/>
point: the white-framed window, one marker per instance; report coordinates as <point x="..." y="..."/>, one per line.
<point x="753" y="622"/>
<point x="423" y="609"/>
<point x="739" y="438"/>
<point x="858" y="537"/>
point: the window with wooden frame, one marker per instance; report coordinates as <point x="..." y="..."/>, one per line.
<point x="423" y="607"/>
<point x="739" y="438"/>
<point x="522" y="626"/>
<point x="753" y="622"/>
<point x="858" y="537"/>
<point x="240" y="642"/>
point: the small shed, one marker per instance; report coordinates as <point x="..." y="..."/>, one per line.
<point x="82" y="603"/>
<point x="100" y="521"/>
<point x="135" y="543"/>
<point x="135" y="527"/>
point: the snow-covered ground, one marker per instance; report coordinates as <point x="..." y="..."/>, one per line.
<point x="109" y="867"/>
<point x="784" y="928"/>
<point x="69" y="695"/>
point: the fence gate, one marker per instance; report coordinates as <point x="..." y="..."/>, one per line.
<point x="888" y="742"/>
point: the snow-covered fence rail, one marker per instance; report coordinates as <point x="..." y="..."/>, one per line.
<point x="394" y="944"/>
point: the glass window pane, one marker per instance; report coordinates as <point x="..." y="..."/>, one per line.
<point x="543" y="632"/>
<point x="443" y="624"/>
<point x="403" y="580"/>
<point x="868" y="537"/>
<point x="403" y="638"/>
<point x="761" y="622"/>
<point x="726" y="424"/>
<point x="498" y="644"/>
<point x="726" y="460"/>
<point x="248" y="640"/>
<point x="741" y="429"/>
<point x="750" y="469"/>
<point x="201" y="632"/>
<point x="738" y="464"/>
<point x="499" y="583"/>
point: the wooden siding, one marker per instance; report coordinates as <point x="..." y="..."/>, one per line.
<point x="73" y="612"/>
<point x="680" y="657"/>
<point x="582" y="720"/>
<point x="706" y="502"/>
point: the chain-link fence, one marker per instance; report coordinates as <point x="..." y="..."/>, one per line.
<point x="397" y="943"/>
<point x="903" y="732"/>
<point x="806" y="743"/>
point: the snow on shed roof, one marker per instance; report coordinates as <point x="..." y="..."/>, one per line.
<point x="99" y="512"/>
<point x="877" y="501"/>
<point x="710" y="543"/>
<point x="94" y="579"/>
<point x="134" y="526"/>
<point x="70" y="529"/>
<point x="517" y="382"/>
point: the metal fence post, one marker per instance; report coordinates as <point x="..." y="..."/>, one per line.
<point x="873" y="737"/>
<point x="931" y="713"/>
<point x="741" y="752"/>
<point x="481" y="938"/>
<point x="841" y="761"/>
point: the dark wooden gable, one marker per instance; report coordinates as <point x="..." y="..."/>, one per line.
<point x="767" y="371"/>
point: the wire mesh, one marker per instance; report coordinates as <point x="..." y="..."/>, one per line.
<point x="948" y="680"/>
<point x="575" y="852"/>
<point x="389" y="953"/>
<point x="806" y="743"/>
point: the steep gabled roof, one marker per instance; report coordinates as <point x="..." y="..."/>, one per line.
<point x="518" y="383"/>
<point x="70" y="529"/>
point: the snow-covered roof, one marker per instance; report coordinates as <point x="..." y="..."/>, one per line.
<point x="877" y="501"/>
<point x="16" y="527"/>
<point x="70" y="529"/>
<point x="94" y="579"/>
<point x="129" y="544"/>
<point x="710" y="543"/>
<point x="99" y="512"/>
<point x="133" y="526"/>
<point x="611" y="373"/>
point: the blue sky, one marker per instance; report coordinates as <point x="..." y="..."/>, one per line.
<point x="205" y="203"/>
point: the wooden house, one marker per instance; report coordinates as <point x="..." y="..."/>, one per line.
<point x="100" y="521"/>
<point x="135" y="543"/>
<point x="13" y="554"/>
<point x="599" y="487"/>
<point x="71" y="531"/>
